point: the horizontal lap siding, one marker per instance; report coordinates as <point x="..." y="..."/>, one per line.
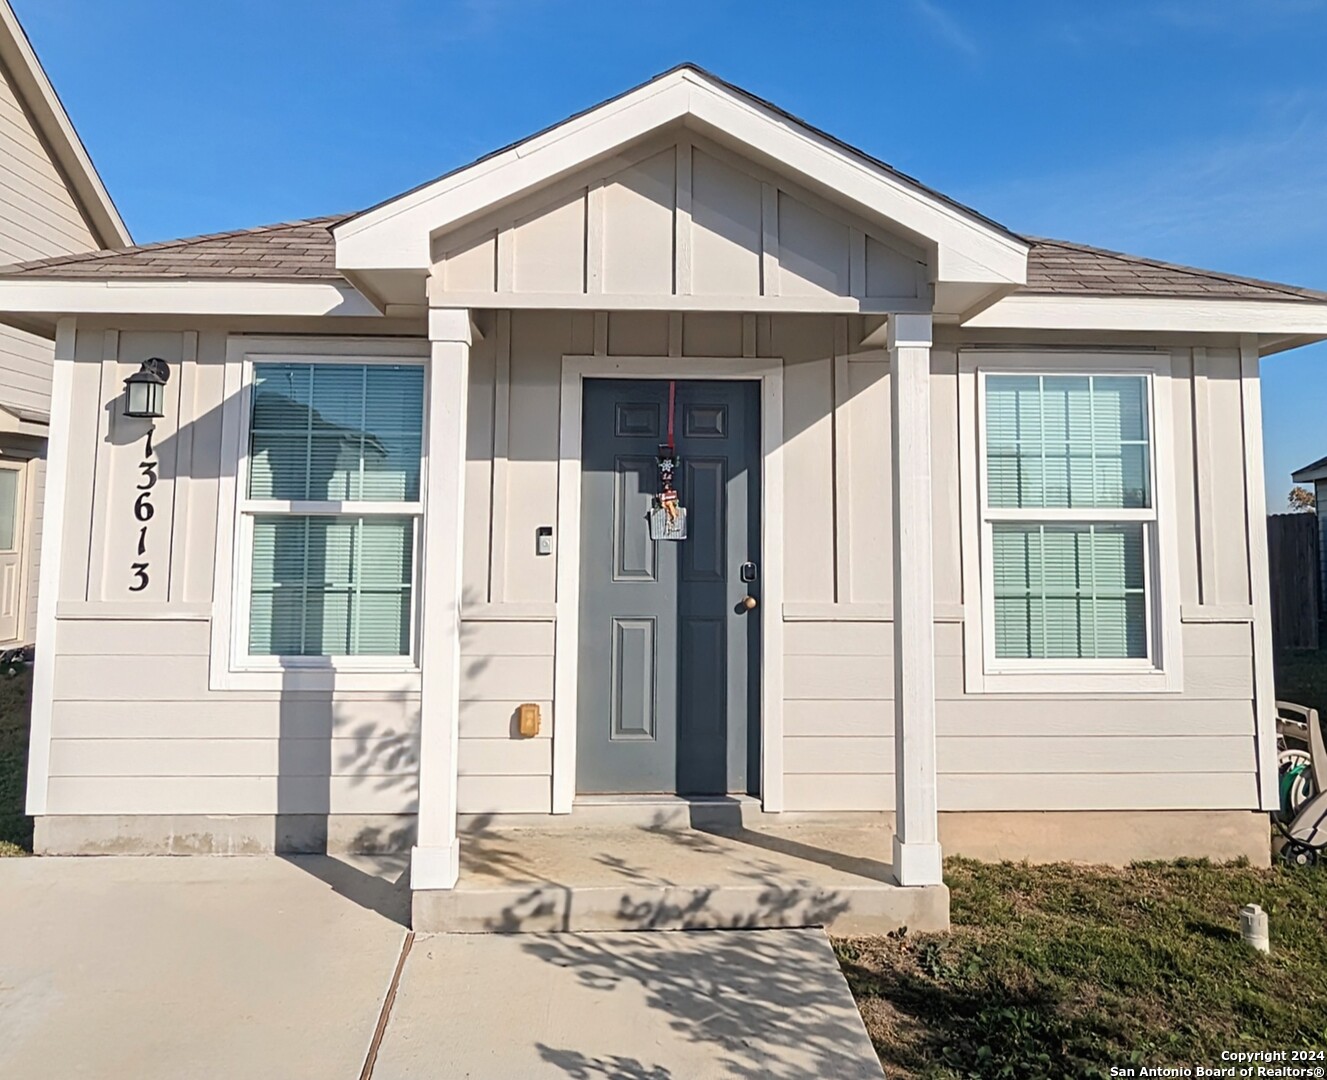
<point x="38" y="218"/>
<point x="1194" y="749"/>
<point x="503" y="665"/>
<point x="838" y="747"/>
<point x="135" y="730"/>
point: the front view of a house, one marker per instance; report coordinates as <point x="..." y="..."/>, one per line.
<point x="680" y="451"/>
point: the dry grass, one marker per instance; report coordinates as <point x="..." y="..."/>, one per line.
<point x="15" y="704"/>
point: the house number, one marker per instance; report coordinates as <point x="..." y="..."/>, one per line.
<point x="143" y="511"/>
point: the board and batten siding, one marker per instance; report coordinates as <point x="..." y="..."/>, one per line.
<point x="135" y="728"/>
<point x="1192" y="750"/>
<point x="135" y="735"/>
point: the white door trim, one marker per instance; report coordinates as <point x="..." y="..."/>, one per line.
<point x="575" y="370"/>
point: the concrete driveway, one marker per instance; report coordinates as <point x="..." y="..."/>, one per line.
<point x="202" y="968"/>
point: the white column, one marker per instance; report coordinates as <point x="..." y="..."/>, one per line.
<point x="916" y="826"/>
<point x="435" y="859"/>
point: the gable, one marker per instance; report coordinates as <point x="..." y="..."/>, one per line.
<point x="968" y="257"/>
<point x="680" y="217"/>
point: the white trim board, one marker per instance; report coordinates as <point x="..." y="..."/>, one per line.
<point x="566" y="650"/>
<point x="48" y="579"/>
<point x="23" y="295"/>
<point x="395" y="235"/>
<point x="1151" y="314"/>
<point x="979" y="678"/>
<point x="228" y="595"/>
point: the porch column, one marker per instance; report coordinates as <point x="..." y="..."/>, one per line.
<point x="916" y="825"/>
<point x="434" y="861"/>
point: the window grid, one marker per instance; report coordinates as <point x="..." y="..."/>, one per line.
<point x="1092" y="517"/>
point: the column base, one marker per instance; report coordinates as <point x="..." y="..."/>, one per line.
<point x="917" y="863"/>
<point x="435" y="867"/>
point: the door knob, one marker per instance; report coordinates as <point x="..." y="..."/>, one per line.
<point x="749" y="602"/>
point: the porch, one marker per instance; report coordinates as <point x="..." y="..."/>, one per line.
<point x="674" y="864"/>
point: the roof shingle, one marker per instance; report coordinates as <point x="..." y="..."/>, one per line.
<point x="305" y="250"/>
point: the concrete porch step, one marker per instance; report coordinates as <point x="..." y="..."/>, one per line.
<point x="613" y="877"/>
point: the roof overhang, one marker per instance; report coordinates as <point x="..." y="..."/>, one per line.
<point x="968" y="249"/>
<point x="1284" y="318"/>
<point x="15" y="421"/>
<point x="1310" y="473"/>
<point x="37" y="303"/>
<point x="41" y="100"/>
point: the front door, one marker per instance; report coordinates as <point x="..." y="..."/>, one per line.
<point x="11" y="550"/>
<point x="669" y="666"/>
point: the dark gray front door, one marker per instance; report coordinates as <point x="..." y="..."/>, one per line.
<point x="669" y="657"/>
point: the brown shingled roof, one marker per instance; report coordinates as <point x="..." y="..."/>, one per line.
<point x="290" y="250"/>
<point x="305" y="250"/>
<point x="1058" y="267"/>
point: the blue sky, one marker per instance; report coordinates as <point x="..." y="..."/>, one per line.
<point x="1189" y="130"/>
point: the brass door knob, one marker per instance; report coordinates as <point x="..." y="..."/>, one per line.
<point x="749" y="602"/>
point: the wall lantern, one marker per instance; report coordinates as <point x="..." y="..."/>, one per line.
<point x="145" y="390"/>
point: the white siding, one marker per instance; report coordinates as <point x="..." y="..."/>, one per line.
<point x="995" y="752"/>
<point x="678" y="217"/>
<point x="136" y="735"/>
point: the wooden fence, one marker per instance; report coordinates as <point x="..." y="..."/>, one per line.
<point x="1292" y="557"/>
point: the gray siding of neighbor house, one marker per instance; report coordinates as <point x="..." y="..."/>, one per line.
<point x="38" y="218"/>
<point x="136" y="729"/>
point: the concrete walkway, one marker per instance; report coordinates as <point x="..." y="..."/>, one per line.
<point x="173" y="969"/>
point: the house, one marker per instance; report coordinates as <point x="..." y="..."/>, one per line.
<point x="973" y="521"/>
<point x="51" y="203"/>
<point x="1315" y="476"/>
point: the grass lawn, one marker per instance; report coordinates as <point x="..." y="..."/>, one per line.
<point x="1059" y="971"/>
<point x="15" y="699"/>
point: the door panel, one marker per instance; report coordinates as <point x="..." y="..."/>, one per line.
<point x="668" y="670"/>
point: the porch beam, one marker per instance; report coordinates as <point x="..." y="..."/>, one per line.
<point x="916" y="856"/>
<point x="435" y="859"/>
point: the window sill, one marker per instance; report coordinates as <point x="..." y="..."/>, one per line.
<point x="316" y="678"/>
<point x="1082" y="682"/>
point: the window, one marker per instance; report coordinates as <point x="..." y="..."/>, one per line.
<point x="8" y="509"/>
<point x="1069" y="523"/>
<point x="329" y="509"/>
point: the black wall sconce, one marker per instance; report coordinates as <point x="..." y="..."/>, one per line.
<point x="145" y="390"/>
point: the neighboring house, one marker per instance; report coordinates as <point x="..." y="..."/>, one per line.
<point x="975" y="521"/>
<point x="51" y="203"/>
<point x="1315" y="475"/>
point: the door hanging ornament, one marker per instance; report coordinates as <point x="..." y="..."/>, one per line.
<point x="668" y="517"/>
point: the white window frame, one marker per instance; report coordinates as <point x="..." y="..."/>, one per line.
<point x="232" y="666"/>
<point x="1161" y="671"/>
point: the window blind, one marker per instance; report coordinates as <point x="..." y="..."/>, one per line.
<point x="1072" y="589"/>
<point x="336" y="432"/>
<point x="337" y="580"/>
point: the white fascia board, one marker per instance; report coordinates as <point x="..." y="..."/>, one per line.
<point x="1309" y="476"/>
<point x="1152" y="314"/>
<point x="20" y="296"/>
<point x="970" y="250"/>
<point x="396" y="235"/>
